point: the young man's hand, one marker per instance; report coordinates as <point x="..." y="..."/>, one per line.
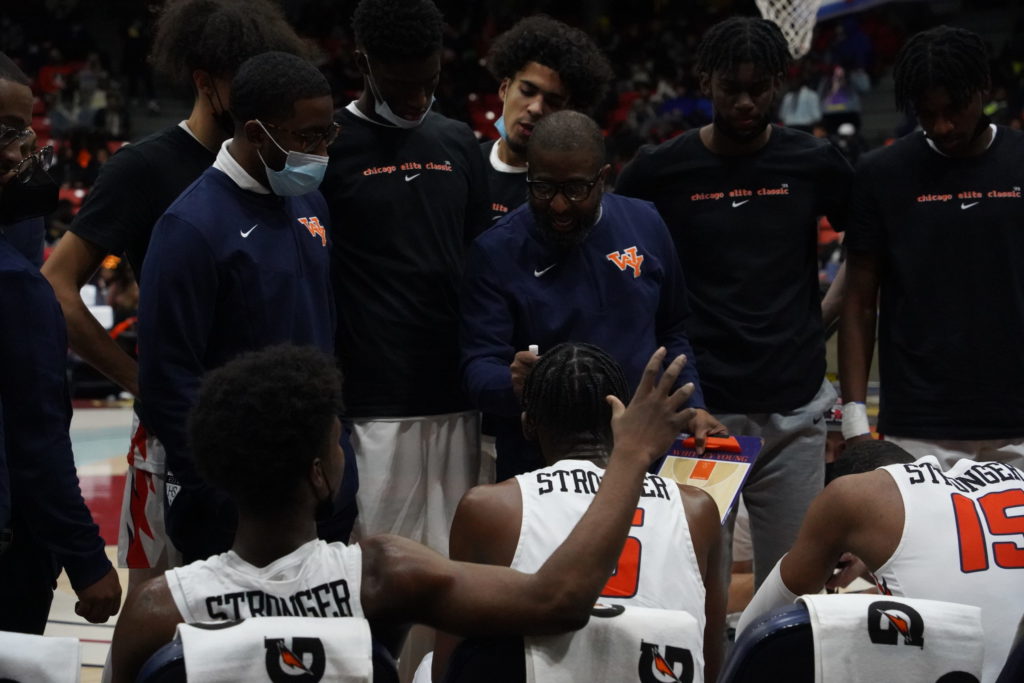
<point x="655" y="415"/>
<point x="101" y="600"/>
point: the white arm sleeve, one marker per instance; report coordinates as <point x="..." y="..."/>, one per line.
<point x="771" y="595"/>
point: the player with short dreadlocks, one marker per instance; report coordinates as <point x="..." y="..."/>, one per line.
<point x="543" y="66"/>
<point x="951" y="58"/>
<point x="742" y="198"/>
<point x="949" y="320"/>
<point x="520" y="522"/>
<point x="199" y="44"/>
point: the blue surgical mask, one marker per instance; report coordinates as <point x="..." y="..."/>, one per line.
<point x="383" y="109"/>
<point x="302" y="173"/>
<point x="499" y="125"/>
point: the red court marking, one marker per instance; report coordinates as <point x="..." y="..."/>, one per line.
<point x="103" y="494"/>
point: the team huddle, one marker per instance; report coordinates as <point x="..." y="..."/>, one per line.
<point x="387" y="372"/>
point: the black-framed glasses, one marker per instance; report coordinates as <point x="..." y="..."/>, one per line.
<point x="9" y="135"/>
<point x="573" y="190"/>
<point x="40" y="159"/>
<point x="309" y="141"/>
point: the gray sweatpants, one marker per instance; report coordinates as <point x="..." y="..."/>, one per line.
<point x="788" y="474"/>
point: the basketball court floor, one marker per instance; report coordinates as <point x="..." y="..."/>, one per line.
<point x="99" y="435"/>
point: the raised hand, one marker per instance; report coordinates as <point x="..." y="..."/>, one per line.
<point x="655" y="415"/>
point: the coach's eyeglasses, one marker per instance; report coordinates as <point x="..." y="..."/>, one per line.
<point x="9" y="135"/>
<point x="309" y="141"/>
<point x="42" y="159"/>
<point x="573" y="190"/>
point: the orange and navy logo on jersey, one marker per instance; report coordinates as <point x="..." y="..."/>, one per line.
<point x="889" y="621"/>
<point x="675" y="666"/>
<point x="304" y="661"/>
<point x="627" y="258"/>
<point x="313" y="225"/>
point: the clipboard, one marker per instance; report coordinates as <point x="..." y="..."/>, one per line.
<point x="721" y="471"/>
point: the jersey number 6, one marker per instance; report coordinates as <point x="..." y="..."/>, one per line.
<point x="626" y="577"/>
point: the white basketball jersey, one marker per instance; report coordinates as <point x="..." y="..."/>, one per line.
<point x="963" y="541"/>
<point x="658" y="567"/>
<point x="318" y="579"/>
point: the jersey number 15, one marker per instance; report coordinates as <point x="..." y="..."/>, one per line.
<point x="974" y="552"/>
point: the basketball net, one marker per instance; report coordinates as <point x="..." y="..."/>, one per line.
<point x="796" y="18"/>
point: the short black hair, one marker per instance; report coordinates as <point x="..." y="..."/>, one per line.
<point x="567" y="51"/>
<point x="567" y="131"/>
<point x="398" y="30"/>
<point x="868" y="455"/>
<point x="261" y="419"/>
<point x="217" y="36"/>
<point x="9" y="71"/>
<point x="739" y="40"/>
<point x="952" y="58"/>
<point x="267" y="86"/>
<point x="565" y="394"/>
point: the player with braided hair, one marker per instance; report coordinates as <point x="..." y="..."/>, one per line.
<point x="742" y="198"/>
<point x="543" y="66"/>
<point x="951" y="58"/>
<point x="519" y="522"/>
<point x="950" y="318"/>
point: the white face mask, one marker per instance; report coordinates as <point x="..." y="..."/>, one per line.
<point x="302" y="173"/>
<point x="383" y="109"/>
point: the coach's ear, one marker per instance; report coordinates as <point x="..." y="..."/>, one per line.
<point x="529" y="429"/>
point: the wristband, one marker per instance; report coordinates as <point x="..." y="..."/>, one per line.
<point x="855" y="419"/>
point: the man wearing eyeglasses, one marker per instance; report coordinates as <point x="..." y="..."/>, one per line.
<point x="575" y="264"/>
<point x="44" y="522"/>
<point x="238" y="262"/>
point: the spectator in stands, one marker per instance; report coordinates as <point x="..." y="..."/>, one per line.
<point x="801" y="107"/>
<point x="200" y="44"/>
<point x="946" y="297"/>
<point x="573" y="249"/>
<point x="517" y="524"/>
<point x="849" y="142"/>
<point x="840" y="98"/>
<point x="905" y="520"/>
<point x="266" y="429"/>
<point x="742" y="198"/>
<point x="44" y="522"/>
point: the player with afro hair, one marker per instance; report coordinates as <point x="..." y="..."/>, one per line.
<point x="544" y="66"/>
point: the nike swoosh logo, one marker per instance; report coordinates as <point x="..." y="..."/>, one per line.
<point x="538" y="273"/>
<point x="967" y="206"/>
<point x="412" y="177"/>
<point x="494" y="218"/>
<point x="247" y="232"/>
<point x="735" y="204"/>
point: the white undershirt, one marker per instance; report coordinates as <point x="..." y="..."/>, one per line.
<point x="500" y="166"/>
<point x="231" y="168"/>
<point x="991" y="126"/>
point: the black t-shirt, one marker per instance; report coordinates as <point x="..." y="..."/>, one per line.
<point x="134" y="189"/>
<point x="405" y="204"/>
<point x="950" y="237"/>
<point x="746" y="231"/>
<point x="508" y="189"/>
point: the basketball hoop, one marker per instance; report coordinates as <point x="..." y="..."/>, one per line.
<point x="796" y="18"/>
